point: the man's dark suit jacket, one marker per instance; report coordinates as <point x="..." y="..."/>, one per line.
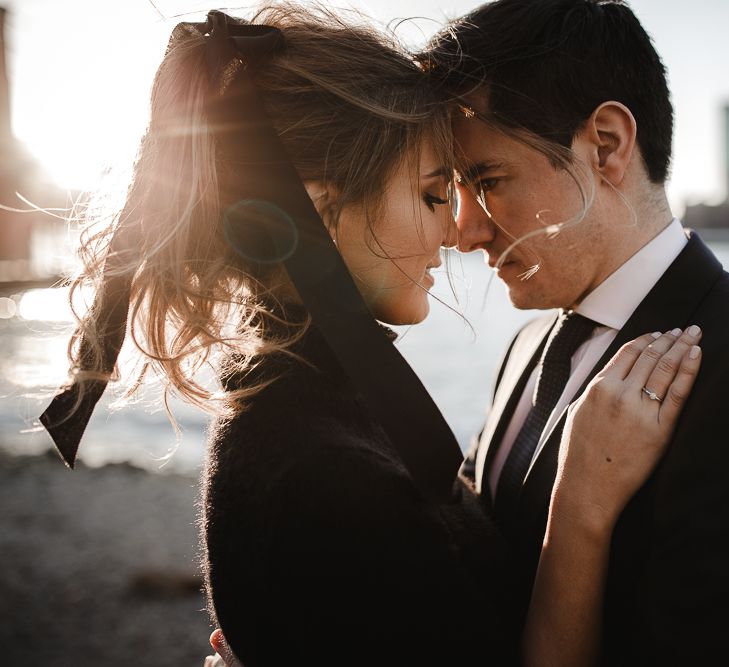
<point x="667" y="597"/>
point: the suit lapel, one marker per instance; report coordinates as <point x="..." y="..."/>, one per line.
<point x="522" y="359"/>
<point x="671" y="303"/>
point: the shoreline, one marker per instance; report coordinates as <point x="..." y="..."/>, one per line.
<point x="99" y="566"/>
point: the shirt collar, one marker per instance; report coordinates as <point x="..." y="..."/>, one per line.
<point x="613" y="301"/>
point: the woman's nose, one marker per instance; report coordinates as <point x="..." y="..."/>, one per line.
<point x="450" y="235"/>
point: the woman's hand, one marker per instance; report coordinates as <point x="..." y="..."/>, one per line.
<point x="614" y="436"/>
<point x="616" y="433"/>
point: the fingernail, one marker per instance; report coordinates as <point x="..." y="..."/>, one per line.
<point x="694" y="331"/>
<point x="694" y="352"/>
<point x="656" y="334"/>
<point x="676" y="332"/>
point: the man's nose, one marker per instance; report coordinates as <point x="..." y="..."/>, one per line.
<point x="475" y="227"/>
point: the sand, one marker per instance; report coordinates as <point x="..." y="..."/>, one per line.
<point x="98" y="567"/>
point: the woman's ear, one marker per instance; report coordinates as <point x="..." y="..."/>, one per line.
<point x="324" y="196"/>
<point x="610" y="135"/>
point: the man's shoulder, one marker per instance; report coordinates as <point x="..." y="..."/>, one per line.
<point x="712" y="315"/>
<point x="714" y="305"/>
<point x="719" y="292"/>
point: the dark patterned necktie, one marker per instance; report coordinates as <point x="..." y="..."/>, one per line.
<point x="569" y="332"/>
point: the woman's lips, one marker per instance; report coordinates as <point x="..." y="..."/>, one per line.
<point x="428" y="275"/>
<point x="433" y="265"/>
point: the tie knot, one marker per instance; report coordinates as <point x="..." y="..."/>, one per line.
<point x="570" y="331"/>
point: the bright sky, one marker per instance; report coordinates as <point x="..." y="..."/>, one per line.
<point x="81" y="71"/>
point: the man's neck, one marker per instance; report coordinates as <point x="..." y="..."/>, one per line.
<point x="648" y="220"/>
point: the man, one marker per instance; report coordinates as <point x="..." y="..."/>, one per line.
<point x="565" y="143"/>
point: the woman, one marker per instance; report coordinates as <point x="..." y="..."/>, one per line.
<point x="320" y="548"/>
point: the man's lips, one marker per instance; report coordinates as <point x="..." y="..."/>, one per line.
<point x="494" y="263"/>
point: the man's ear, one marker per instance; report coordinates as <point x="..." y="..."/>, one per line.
<point x="610" y="134"/>
<point x="324" y="196"/>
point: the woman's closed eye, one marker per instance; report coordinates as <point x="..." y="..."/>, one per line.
<point x="431" y="201"/>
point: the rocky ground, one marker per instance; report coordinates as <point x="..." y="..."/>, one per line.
<point x="98" y="567"/>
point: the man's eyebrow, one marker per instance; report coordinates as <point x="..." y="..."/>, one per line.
<point x="472" y="171"/>
<point x="441" y="171"/>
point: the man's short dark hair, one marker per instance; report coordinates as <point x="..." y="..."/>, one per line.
<point x="548" y="64"/>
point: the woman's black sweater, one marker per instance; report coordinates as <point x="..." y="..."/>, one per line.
<point x="321" y="551"/>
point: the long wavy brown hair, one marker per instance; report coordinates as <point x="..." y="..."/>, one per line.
<point x="349" y="104"/>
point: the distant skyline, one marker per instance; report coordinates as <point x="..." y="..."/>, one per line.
<point x="80" y="72"/>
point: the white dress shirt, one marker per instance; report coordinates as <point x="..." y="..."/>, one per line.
<point x="610" y="304"/>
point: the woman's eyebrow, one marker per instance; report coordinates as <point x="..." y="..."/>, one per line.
<point x="442" y="171"/>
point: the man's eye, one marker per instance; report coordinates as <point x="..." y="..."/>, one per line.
<point x="476" y="184"/>
<point x="431" y="201"/>
<point x="487" y="184"/>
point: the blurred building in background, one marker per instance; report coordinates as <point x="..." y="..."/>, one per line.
<point x="705" y="217"/>
<point x="31" y="243"/>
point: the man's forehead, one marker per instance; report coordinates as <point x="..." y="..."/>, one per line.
<point x="482" y="147"/>
<point x="479" y="152"/>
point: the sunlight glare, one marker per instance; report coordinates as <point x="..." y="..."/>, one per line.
<point x="85" y="110"/>
<point x="49" y="305"/>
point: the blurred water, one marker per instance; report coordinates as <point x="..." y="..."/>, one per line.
<point x="455" y="356"/>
